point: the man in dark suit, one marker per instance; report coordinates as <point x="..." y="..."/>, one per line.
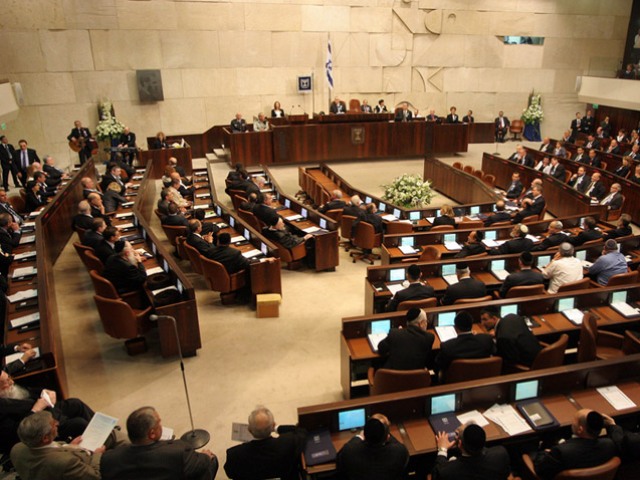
<point x="338" y="106"/>
<point x="596" y="188"/>
<point x="263" y="210"/>
<point x="432" y="117"/>
<point x="37" y="456"/>
<point x="9" y="233"/>
<point x="468" y="118"/>
<point x="113" y="174"/>
<point x="453" y="116"/>
<point x="515" y="187"/>
<point x="127" y="140"/>
<point x="95" y="235"/>
<point x="589" y="232"/>
<point x="501" y="124"/>
<point x="336" y="202"/>
<point x="473" y="245"/>
<point x="266" y="456"/>
<point x="547" y="146"/>
<point x="583" y="450"/>
<point x="475" y="461"/>
<point x="151" y="458"/>
<point x="580" y="157"/>
<point x="614" y="148"/>
<point x="554" y="238"/>
<point x="580" y="180"/>
<point x="466" y="287"/>
<point x="592" y="143"/>
<point x="374" y="455"/>
<point x="533" y="206"/>
<point x="500" y="215"/>
<point x="238" y="124"/>
<point x="82" y="135"/>
<point x="5" y="207"/>
<point x="231" y="258"/>
<point x="589" y="123"/>
<point x="370" y="216"/>
<point x="201" y="242"/>
<point x="633" y="154"/>
<point x="415" y="291"/>
<point x="403" y="114"/>
<point x="515" y="343"/>
<point x="613" y="201"/>
<point x="97" y="207"/>
<point x="526" y="276"/>
<point x="627" y="442"/>
<point x="576" y="126"/>
<point x="623" y="228"/>
<point x="521" y="157"/>
<point x="54" y="175"/>
<point x="174" y="217"/>
<point x="24" y="157"/>
<point x="106" y="248"/>
<point x="557" y="170"/>
<point x="408" y="348"/>
<point x="125" y="269"/>
<point x="89" y="186"/>
<point x="354" y="209"/>
<point x="593" y="160"/>
<point x="465" y="345"/>
<point x="8" y="161"/>
<point x="83" y="219"/>
<point x="519" y="242"/>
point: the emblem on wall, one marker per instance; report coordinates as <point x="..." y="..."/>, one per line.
<point x="357" y="135"/>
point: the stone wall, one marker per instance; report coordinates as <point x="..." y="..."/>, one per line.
<point x="220" y="57"/>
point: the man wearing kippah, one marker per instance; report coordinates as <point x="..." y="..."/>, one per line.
<point x="408" y="348"/>
<point x="373" y="454"/>
<point x="475" y="460"/>
<point x="563" y="268"/>
<point x="584" y="449"/>
<point x="466" y="344"/>
<point x="610" y="263"/>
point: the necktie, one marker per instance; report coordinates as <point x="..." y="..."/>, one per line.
<point x="588" y="192"/>
<point x="25" y="159"/>
<point x="6" y="147"/>
<point x="553" y="170"/>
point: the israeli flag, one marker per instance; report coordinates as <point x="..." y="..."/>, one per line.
<point x="329" y="65"/>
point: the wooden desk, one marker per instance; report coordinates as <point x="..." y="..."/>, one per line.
<point x="483" y="132"/>
<point x="160" y="160"/>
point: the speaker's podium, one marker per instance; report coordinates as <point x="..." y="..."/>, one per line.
<point x="300" y="118"/>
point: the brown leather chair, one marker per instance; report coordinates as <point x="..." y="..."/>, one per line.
<point x="606" y="471"/>
<point x="17" y="203"/>
<point x="457" y="165"/>
<point x="424" y="303"/>
<point x="385" y="380"/>
<point x="593" y="242"/>
<point x="220" y="280"/>
<point x="613" y="215"/>
<point x="516" y="128"/>
<point x="292" y="256"/>
<point x="174" y="231"/>
<point x="158" y="214"/>
<point x="429" y="254"/>
<point x="530" y="219"/>
<point x="346" y="224"/>
<point x="597" y="344"/>
<point x="237" y="199"/>
<point x="354" y="106"/>
<point x="398" y="228"/>
<point x="621" y="279"/>
<point x="630" y="343"/>
<point x="194" y="258"/>
<point x="366" y="240"/>
<point x="120" y="320"/>
<point x="92" y="262"/>
<point x="335" y="214"/>
<point x="572" y="286"/>
<point x="251" y="219"/>
<point x="442" y="228"/>
<point x="550" y="356"/>
<point x="80" y="249"/>
<point x="182" y="253"/>
<point x="506" y="223"/>
<point x="463" y="370"/>
<point x="80" y="232"/>
<point x="104" y="288"/>
<point x="525" y="291"/>
<point x="478" y="173"/>
<point x="489" y="179"/>
<point x="472" y="300"/>
<point x="468" y="169"/>
<point x="470" y="224"/>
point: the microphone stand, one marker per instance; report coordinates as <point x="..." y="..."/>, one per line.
<point x="196" y="438"/>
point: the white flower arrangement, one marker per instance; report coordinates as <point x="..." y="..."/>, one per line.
<point x="409" y="191"/>
<point x="533" y="113"/>
<point x="108" y="127"/>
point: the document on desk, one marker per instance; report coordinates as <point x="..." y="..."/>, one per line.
<point x="137" y="177"/>
<point x="291" y="218"/>
<point x="490" y="243"/>
<point x="624" y="309"/>
<point x="23" y="295"/>
<point x="210" y="214"/>
<point x="508" y="418"/>
<point x="127" y="204"/>
<point x="452" y="246"/>
<point x="97" y="432"/>
<point x="125" y="226"/>
<point x="395" y="287"/>
<point x="473" y="416"/>
<point x="311" y="229"/>
<point x="154" y="270"/>
<point x="160" y="290"/>
<point x="167" y="433"/>
<point x="407" y="249"/>
<point x="16" y="356"/>
<point x="616" y="397"/>
<point x="389" y="218"/>
<point x="201" y="207"/>
<point x="251" y="253"/>
<point x="24" y="320"/>
<point x="574" y="315"/>
<point x="27" y="239"/>
<point x="237" y="239"/>
<point x="446" y="333"/>
<point x="24" y="271"/>
<point x="124" y="215"/>
<point x="23" y="255"/>
<point x="29" y="225"/>
<point x="203" y="195"/>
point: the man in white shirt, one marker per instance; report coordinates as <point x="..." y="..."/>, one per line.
<point x="563" y="268"/>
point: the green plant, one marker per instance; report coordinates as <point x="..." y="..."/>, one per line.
<point x="533" y="113"/>
<point x="408" y="190"/>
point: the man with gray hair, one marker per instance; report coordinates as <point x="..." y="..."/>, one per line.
<point x="83" y="219"/>
<point x="466" y="287"/>
<point x="151" y="458"/>
<point x="563" y="268"/>
<point x="266" y="456"/>
<point x="554" y="238"/>
<point x="613" y="201"/>
<point x="610" y="263"/>
<point x="38" y="456"/>
<point x="336" y="202"/>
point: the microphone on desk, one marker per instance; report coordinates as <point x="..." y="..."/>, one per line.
<point x="197" y="438"/>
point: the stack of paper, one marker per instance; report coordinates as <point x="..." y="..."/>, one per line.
<point x="388" y="217"/>
<point x="24" y="320"/>
<point x="200" y="207"/>
<point x="294" y="217"/>
<point x="97" y="432"/>
<point x="407" y="249"/>
<point x="154" y="270"/>
<point x="23" y="295"/>
<point x="124" y="215"/>
<point x="237" y="239"/>
<point x="446" y="333"/>
<point x="20" y="256"/>
<point x="616" y="397"/>
<point x="473" y="416"/>
<point x="251" y="253"/>
<point x="27" y="239"/>
<point x="452" y="246"/>
<point x="395" y="288"/>
<point x="203" y="195"/>
<point x="311" y="229"/>
<point x="24" y="271"/>
<point x="124" y="226"/>
<point x="508" y="418"/>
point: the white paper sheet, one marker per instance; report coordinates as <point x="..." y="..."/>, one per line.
<point x="18" y="322"/>
<point x="16" y="356"/>
<point x="97" y="432"/>
<point x="616" y="397"/>
<point x="473" y="416"/>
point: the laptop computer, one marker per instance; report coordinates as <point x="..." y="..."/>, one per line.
<point x="566" y="306"/>
<point x="618" y="301"/>
<point x="443" y="417"/>
<point x="449" y="273"/>
<point x="498" y="270"/>
<point x="444" y="326"/>
<point x="378" y="331"/>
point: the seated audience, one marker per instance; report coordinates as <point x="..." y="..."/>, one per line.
<point x="403" y="114"/>
<point x="559" y="150"/>
<point x="635" y="177"/>
<point x="231" y="258"/>
<point x="546" y="146"/>
<point x="6" y="207"/>
<point x="466" y="287"/>
<point x="150" y="457"/>
<point x="515" y="187"/>
<point x="596" y="188"/>
<point x="466" y="345"/>
<point x="631" y="155"/>
<point x="365" y="107"/>
<point x="519" y="242"/>
<point x="380" y="107"/>
<point x="106" y="248"/>
<point x="624" y="169"/>
<point x="521" y="157"/>
<point x="554" y="238"/>
<point x="623" y="228"/>
<point x="9" y="234"/>
<point x="408" y="348"/>
<point x="453" y="116"/>
<point x="174" y="217"/>
<point x="207" y="227"/>
<point x="354" y="209"/>
<point x="277" y="111"/>
<point x="627" y="442"/>
<point x="260" y="124"/>
<point x="543" y="165"/>
<point x="371" y="217"/>
<point x="525" y="277"/>
<point x="563" y="268"/>
<point x="584" y="449"/>
<point x="475" y="459"/>
<point x="473" y="245"/>
<point x="238" y="124"/>
<point x="579" y="157"/>
<point x="515" y="343"/>
<point x="557" y="170"/>
<point x="250" y="203"/>
<point x="266" y="456"/>
<point x="468" y="118"/>
<point x="94" y="236"/>
<point x="531" y="206"/>
<point x="593" y="160"/>
<point x="97" y="207"/>
<point x="166" y="197"/>
<point x="416" y="290"/>
<point x="124" y="269"/>
<point x="447" y="217"/>
<point x="374" y="454"/>
<point x="336" y="202"/>
<point x="277" y="232"/>
<point x="112" y="198"/>
<point x="500" y="215"/>
<point x="610" y="263"/>
<point x="113" y="174"/>
<point x="580" y="180"/>
<point x="263" y="209"/>
<point x="589" y="232"/>
<point x="173" y="163"/>
<point x="198" y="240"/>
<point x="37" y="456"/>
<point x="34" y="199"/>
<point x="338" y="106"/>
<point x="613" y="201"/>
